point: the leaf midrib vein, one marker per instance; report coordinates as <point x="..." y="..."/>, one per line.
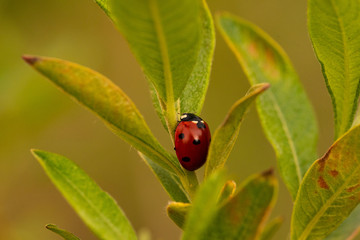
<point x="106" y="220"/>
<point x="288" y="136"/>
<point x="325" y="206"/>
<point x="346" y="95"/>
<point x="163" y="47"/>
<point x="278" y="110"/>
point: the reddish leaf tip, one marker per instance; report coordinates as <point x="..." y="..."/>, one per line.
<point x="30" y="59"/>
<point x="268" y="173"/>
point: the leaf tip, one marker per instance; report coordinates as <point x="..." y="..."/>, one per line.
<point x="35" y="152"/>
<point x="38" y="154"/>
<point x="265" y="86"/>
<point x="50" y="226"/>
<point x="268" y="173"/>
<point x="31" y="60"/>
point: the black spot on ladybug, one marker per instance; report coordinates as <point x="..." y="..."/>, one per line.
<point x="186" y="159"/>
<point x="200" y="125"/>
<point x="196" y="142"/>
<point x="181" y="136"/>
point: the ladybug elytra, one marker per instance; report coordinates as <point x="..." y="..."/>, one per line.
<point x="192" y="140"/>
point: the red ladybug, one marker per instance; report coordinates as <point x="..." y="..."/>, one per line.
<point x="192" y="140"/>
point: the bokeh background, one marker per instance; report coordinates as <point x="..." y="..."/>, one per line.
<point x="34" y="114"/>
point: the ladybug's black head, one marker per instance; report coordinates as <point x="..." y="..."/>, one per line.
<point x="185" y="117"/>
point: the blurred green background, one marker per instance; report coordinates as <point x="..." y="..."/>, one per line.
<point x="34" y="114"/>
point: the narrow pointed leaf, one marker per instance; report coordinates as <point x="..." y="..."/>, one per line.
<point x="96" y="208"/>
<point x="193" y="96"/>
<point x="109" y="102"/>
<point x="171" y="183"/>
<point x="242" y="217"/>
<point x="61" y="232"/>
<point x="165" y="37"/>
<point x="226" y="134"/>
<point x="347" y="229"/>
<point x="178" y="212"/>
<point x="334" y="28"/>
<point x="271" y="228"/>
<point x="192" y="93"/>
<point x="286" y="115"/>
<point x="204" y="207"/>
<point x="330" y="190"/>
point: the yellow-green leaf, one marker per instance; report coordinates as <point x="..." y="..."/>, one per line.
<point x="204" y="207"/>
<point x="334" y="27"/>
<point x="227" y="191"/>
<point x="171" y="183"/>
<point x="61" y="232"/>
<point x="226" y="134"/>
<point x="166" y="37"/>
<point x="191" y="98"/>
<point x="95" y="207"/>
<point x="241" y="217"/>
<point x="285" y="112"/>
<point x="330" y="190"/>
<point x="108" y="101"/>
<point x="347" y="229"/>
<point x="178" y="212"/>
<point x="111" y="104"/>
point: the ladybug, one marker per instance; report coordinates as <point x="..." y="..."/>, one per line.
<point x="192" y="140"/>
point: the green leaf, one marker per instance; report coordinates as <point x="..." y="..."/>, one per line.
<point x="226" y="134"/>
<point x="334" y="30"/>
<point x="170" y="182"/>
<point x="205" y="207"/>
<point x="109" y="102"/>
<point x="330" y="190"/>
<point x="285" y="112"/>
<point x="165" y="37"/>
<point x="178" y="212"/>
<point x="193" y="96"/>
<point x="271" y="228"/>
<point x="349" y="228"/>
<point x="61" y="232"/>
<point x="242" y="217"/>
<point x="96" y="208"/>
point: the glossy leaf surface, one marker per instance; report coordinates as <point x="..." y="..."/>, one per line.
<point x="285" y="112"/>
<point x="226" y="134"/>
<point x="330" y="190"/>
<point x="334" y="28"/>
<point x="95" y="207"/>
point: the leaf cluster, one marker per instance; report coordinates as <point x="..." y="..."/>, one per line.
<point x="174" y="43"/>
